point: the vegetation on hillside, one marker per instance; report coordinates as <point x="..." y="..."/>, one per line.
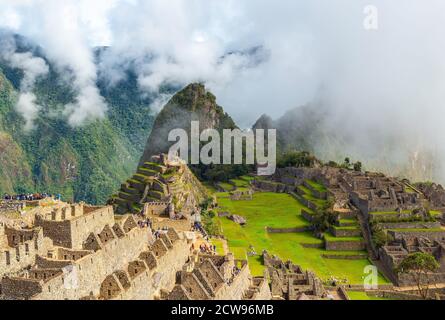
<point x="85" y="163"/>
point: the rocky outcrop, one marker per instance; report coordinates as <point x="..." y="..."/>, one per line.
<point x="238" y="219"/>
<point x="193" y="103"/>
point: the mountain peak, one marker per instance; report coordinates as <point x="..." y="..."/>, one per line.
<point x="264" y="122"/>
<point x="194" y="97"/>
<point x="192" y="103"/>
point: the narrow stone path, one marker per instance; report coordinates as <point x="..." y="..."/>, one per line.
<point x="225" y="246"/>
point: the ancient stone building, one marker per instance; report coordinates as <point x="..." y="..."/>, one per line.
<point x="86" y="252"/>
<point x="290" y="282"/>
<point x="207" y="277"/>
<point x="392" y="254"/>
<point x="241" y="195"/>
<point x="161" y="186"/>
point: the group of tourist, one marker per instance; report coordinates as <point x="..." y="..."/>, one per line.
<point x="157" y="233"/>
<point x="235" y="272"/>
<point x="29" y="196"/>
<point x="197" y="226"/>
<point x="205" y="248"/>
<point x="145" y="223"/>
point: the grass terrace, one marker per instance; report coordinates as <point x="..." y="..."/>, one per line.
<point x="388" y="212"/>
<point x="417" y="230"/>
<point x="283" y="211"/>
<point x="316" y="186"/>
<point x="226" y="186"/>
<point x="210" y="187"/>
<point x="347" y="227"/>
<point x="308" y="195"/>
<point x="348" y="222"/>
<point x="435" y="213"/>
<point x="240" y="183"/>
<point x="432" y="212"/>
<point x="360" y="295"/>
<point x="409" y="190"/>
<point x="219" y="246"/>
<point x="329" y="237"/>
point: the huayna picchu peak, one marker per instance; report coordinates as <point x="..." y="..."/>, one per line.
<point x="193" y="103"/>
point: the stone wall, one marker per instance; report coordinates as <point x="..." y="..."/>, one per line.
<point x="338" y="232"/>
<point x="269" y="186"/>
<point x="148" y="284"/>
<point x="410" y="225"/>
<point x="285" y="230"/>
<point x="155" y="208"/>
<point x="345" y="245"/>
<point x="408" y="280"/>
<point x="240" y="284"/>
<point x="73" y="231"/>
<point x="82" y="277"/>
<point x="23" y="253"/>
<point x="432" y="235"/>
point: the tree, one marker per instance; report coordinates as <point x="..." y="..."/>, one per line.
<point x="324" y="217"/>
<point x="379" y="238"/>
<point x="333" y="164"/>
<point x="296" y="159"/>
<point x="358" y="166"/>
<point x="419" y="265"/>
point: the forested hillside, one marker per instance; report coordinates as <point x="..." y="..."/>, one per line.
<point x="81" y="163"/>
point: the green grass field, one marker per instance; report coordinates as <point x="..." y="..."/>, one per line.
<point x="219" y="246"/>
<point x="282" y="210"/>
<point x="308" y="195"/>
<point x="316" y="186"/>
<point x="211" y="188"/>
<point x="432" y="212"/>
<point x="226" y="186"/>
<point x="329" y="237"/>
<point x="359" y="295"/>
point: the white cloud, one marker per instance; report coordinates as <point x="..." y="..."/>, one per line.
<point x="383" y="80"/>
<point x="32" y="68"/>
<point x="28" y="108"/>
<point x="65" y="29"/>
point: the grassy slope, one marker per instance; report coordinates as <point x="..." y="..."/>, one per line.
<point x="359" y="295"/>
<point x="281" y="210"/>
<point x="85" y="163"/>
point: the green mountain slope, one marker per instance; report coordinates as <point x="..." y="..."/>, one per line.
<point x="84" y="163"/>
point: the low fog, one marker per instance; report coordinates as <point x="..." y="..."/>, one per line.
<point x="381" y="88"/>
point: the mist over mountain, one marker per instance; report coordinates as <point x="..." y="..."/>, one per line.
<point x="41" y="151"/>
<point x="373" y="95"/>
<point x="329" y="135"/>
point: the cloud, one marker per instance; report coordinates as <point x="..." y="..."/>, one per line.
<point x="27" y="107"/>
<point x="65" y="30"/>
<point x="32" y="68"/>
<point x="387" y="81"/>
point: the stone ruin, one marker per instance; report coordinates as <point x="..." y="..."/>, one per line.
<point x="161" y="186"/>
<point x="238" y="219"/>
<point x="241" y="195"/>
<point x="77" y="251"/>
<point x="392" y="255"/>
<point x="11" y="206"/>
<point x="86" y="252"/>
<point x="210" y="277"/>
<point x="290" y="282"/>
<point x="401" y="207"/>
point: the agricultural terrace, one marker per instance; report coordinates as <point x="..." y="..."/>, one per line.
<point x="278" y="210"/>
